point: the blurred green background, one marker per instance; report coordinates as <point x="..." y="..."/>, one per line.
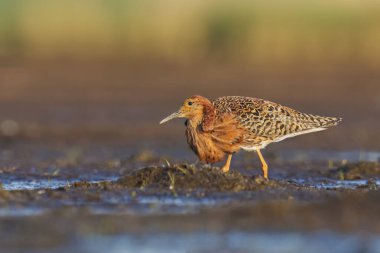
<point x="258" y="32"/>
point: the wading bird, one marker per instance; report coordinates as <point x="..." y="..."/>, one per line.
<point x="228" y="124"/>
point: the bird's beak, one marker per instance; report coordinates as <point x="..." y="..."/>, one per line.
<point x="172" y="116"/>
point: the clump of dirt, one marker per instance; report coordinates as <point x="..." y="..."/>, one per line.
<point x="187" y="177"/>
<point x="3" y="194"/>
<point x="356" y="171"/>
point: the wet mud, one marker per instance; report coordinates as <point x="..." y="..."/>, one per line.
<point x="144" y="193"/>
<point x="188" y="178"/>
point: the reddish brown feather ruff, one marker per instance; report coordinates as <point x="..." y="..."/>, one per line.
<point x="227" y="124"/>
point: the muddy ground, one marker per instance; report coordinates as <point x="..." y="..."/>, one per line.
<point x="85" y="167"/>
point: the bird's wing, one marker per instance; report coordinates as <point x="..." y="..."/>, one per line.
<point x="270" y="120"/>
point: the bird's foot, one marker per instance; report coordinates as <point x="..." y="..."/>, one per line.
<point x="261" y="180"/>
<point x="225" y="169"/>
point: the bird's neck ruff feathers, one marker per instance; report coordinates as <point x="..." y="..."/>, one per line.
<point x="209" y="116"/>
<point x="205" y="118"/>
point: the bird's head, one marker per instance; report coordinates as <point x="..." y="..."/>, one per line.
<point x="192" y="108"/>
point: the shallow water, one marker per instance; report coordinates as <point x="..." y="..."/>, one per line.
<point x="233" y="241"/>
<point x="120" y="219"/>
<point x="330" y="184"/>
<point x="21" y="211"/>
<point x="139" y="205"/>
<point x="155" y="204"/>
<point x="35" y="184"/>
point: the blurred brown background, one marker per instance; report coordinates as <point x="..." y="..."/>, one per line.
<point x="73" y="70"/>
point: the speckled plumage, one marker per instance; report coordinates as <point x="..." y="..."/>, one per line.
<point x="228" y="124"/>
<point x="267" y="121"/>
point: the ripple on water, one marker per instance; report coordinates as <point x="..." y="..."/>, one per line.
<point x="35" y="184"/>
<point x="328" y="184"/>
<point x="21" y="211"/>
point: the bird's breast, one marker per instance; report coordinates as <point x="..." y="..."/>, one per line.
<point x="203" y="145"/>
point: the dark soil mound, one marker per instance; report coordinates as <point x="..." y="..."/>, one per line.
<point x="189" y="178"/>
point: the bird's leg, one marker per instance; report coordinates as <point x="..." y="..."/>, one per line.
<point x="226" y="167"/>
<point x="265" y="165"/>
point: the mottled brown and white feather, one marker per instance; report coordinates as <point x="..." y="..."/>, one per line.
<point x="268" y="122"/>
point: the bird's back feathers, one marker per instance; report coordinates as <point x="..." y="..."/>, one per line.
<point x="267" y="121"/>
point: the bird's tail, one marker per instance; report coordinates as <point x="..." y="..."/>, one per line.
<point x="320" y="121"/>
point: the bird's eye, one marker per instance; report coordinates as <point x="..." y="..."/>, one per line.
<point x="189" y="103"/>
